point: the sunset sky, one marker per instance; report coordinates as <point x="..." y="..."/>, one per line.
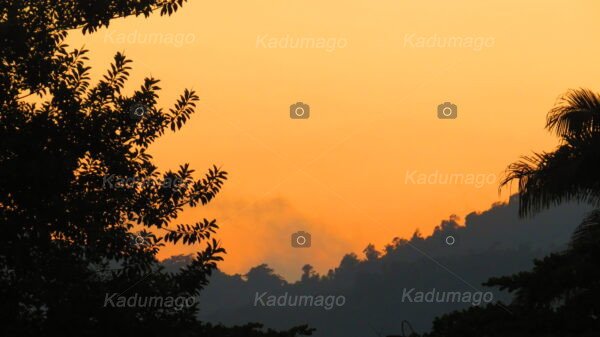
<point x="342" y="174"/>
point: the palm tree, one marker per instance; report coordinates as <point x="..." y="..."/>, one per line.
<point x="572" y="171"/>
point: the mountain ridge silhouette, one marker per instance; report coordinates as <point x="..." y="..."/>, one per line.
<point x="491" y="243"/>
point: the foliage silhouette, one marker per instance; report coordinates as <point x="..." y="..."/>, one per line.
<point x="76" y="180"/>
<point x="572" y="171"/>
<point x="491" y="242"/>
<point x="561" y="295"/>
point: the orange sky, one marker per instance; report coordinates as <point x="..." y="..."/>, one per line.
<point x="342" y="174"/>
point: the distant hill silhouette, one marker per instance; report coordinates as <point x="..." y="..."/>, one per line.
<point x="560" y="295"/>
<point x="492" y="243"/>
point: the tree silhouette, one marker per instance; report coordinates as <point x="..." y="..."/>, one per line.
<point x="83" y="209"/>
<point x="371" y="253"/>
<point x="572" y="171"/>
<point x="561" y="295"/>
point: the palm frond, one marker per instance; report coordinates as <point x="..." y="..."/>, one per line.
<point x="588" y="232"/>
<point x="578" y="112"/>
<point x="570" y="173"/>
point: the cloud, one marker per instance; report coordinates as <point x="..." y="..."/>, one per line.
<point x="260" y="232"/>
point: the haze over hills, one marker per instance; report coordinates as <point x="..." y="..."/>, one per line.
<point x="375" y="287"/>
